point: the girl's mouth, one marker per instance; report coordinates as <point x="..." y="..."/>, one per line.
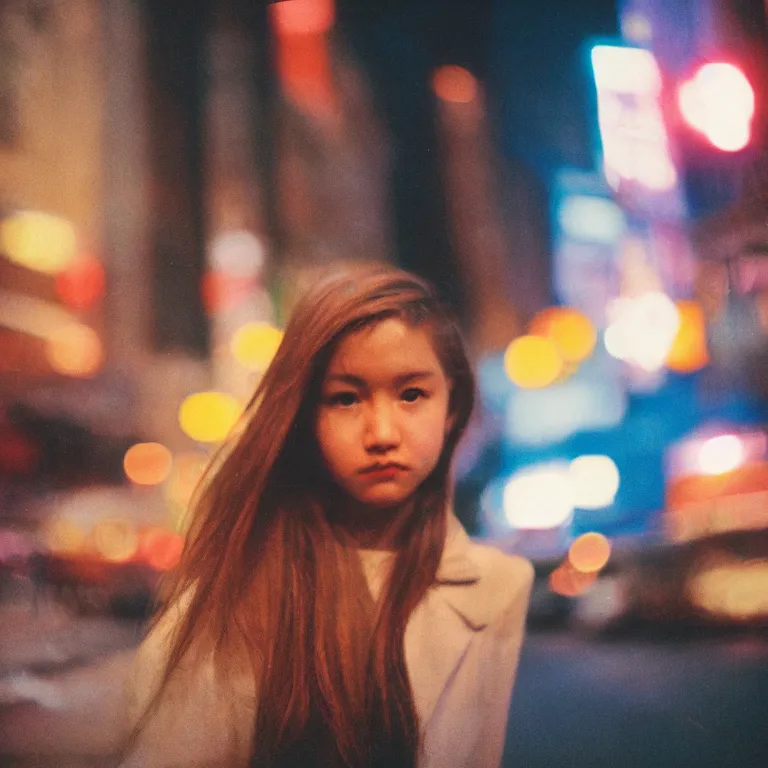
<point x="383" y="471"/>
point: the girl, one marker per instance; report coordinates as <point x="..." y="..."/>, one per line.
<point x="329" y="609"/>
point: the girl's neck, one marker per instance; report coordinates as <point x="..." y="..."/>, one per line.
<point x="365" y="527"/>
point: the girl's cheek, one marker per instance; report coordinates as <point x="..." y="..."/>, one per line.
<point x="430" y="440"/>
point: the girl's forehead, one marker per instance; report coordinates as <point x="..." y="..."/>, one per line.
<point x="389" y="347"/>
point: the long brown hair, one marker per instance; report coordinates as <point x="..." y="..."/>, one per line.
<point x="268" y="577"/>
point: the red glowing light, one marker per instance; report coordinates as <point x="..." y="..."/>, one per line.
<point x="567" y="581"/>
<point x="81" y="284"/>
<point x="301" y="17"/>
<point x="220" y="291"/>
<point x="161" y="548"/>
<point x="304" y="66"/>
<point x="454" y="84"/>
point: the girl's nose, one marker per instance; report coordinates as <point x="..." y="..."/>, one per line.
<point x="382" y="433"/>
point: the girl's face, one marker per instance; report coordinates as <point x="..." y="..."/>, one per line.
<point x="383" y="412"/>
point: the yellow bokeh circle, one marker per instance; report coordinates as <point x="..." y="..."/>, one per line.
<point x="208" y="417"/>
<point x="65" y="536"/>
<point x="115" y="539"/>
<point x="255" y="344"/>
<point x="533" y="362"/>
<point x="39" y="241"/>
<point x="75" y="350"/>
<point x="572" y="332"/>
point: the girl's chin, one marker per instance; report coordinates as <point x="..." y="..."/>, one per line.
<point x="381" y="503"/>
<point x="382" y="500"/>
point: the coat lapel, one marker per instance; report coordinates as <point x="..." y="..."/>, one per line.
<point x="442" y="626"/>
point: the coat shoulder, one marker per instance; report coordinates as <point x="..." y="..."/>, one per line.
<point x="503" y="587"/>
<point x="500" y="570"/>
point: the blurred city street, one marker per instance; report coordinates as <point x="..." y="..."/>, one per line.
<point x="638" y="704"/>
<point x="579" y="701"/>
<point x="584" y="182"/>
<point x="60" y="683"/>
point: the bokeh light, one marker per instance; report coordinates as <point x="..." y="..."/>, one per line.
<point x="625" y="70"/>
<point x="75" y="350"/>
<point x="642" y="329"/>
<point x="594" y="480"/>
<point x="65" y="536"/>
<point x="533" y="362"/>
<point x="590" y="552"/>
<point x="632" y="127"/>
<point x="147" y="463"/>
<point x="568" y="582"/>
<point x="733" y="589"/>
<point x="539" y="497"/>
<point x="115" y="539"/>
<point x="454" y="84"/>
<point x="688" y="352"/>
<point x="81" y="285"/>
<point x="572" y="332"/>
<point x="721" y="454"/>
<point x="220" y="291"/>
<point x="161" y="548"/>
<point x="238" y="253"/>
<point x="591" y="219"/>
<point x="302" y="17"/>
<point x="636" y="27"/>
<point x="39" y="241"/>
<point x="188" y="468"/>
<point x="255" y="344"/>
<point x="719" y="102"/>
<point x="209" y="417"/>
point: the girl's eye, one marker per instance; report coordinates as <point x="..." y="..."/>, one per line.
<point x="343" y="399"/>
<point x="413" y="394"/>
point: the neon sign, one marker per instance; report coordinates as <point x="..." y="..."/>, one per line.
<point x="632" y="131"/>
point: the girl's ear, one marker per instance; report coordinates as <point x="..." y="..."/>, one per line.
<point x="450" y="421"/>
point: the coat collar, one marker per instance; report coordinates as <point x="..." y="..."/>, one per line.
<point x="442" y="626"/>
<point x="456" y="564"/>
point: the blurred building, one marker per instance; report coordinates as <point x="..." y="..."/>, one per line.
<point x="105" y="214"/>
<point x="51" y="158"/>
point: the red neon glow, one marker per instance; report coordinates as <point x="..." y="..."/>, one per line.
<point x="161" y="548"/>
<point x="304" y="67"/>
<point x="220" y="291"/>
<point x="301" y="17"/>
<point x="81" y="284"/>
<point x="719" y="102"/>
<point x="454" y="84"/>
<point x="303" y="57"/>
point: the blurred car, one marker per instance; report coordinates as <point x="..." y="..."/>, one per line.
<point x="712" y="584"/>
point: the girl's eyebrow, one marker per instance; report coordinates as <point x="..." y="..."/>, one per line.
<point x="406" y="378"/>
<point x="400" y="380"/>
<point x="345" y="378"/>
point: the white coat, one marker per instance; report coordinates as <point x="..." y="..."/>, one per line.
<point x="462" y="645"/>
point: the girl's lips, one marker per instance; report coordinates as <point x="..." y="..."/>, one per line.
<point x="386" y="472"/>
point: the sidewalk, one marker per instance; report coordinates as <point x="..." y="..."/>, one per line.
<point x="61" y="679"/>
